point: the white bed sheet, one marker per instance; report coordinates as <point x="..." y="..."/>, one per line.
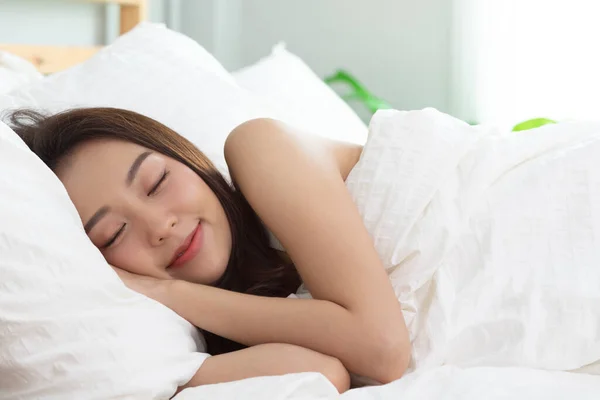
<point x="447" y="382"/>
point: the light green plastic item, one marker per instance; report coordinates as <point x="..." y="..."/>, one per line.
<point x="357" y="91"/>
<point x="532" y="123"/>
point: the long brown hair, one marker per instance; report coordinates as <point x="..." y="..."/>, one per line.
<point x="254" y="267"/>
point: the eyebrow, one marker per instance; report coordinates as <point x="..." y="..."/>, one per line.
<point x="95" y="218"/>
<point x="135" y="167"/>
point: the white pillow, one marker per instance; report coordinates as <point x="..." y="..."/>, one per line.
<point x="159" y="73"/>
<point x="286" y="81"/>
<point x="15" y="72"/>
<point x="69" y="329"/>
<point x="68" y="326"/>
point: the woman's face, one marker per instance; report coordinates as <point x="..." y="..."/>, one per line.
<point x="147" y="213"/>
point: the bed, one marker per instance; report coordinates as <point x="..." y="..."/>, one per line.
<point x="126" y="346"/>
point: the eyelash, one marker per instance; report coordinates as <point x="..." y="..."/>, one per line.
<point x="152" y="191"/>
<point x="159" y="183"/>
<point x="115" y="237"/>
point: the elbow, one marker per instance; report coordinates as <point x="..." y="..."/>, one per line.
<point x="337" y="374"/>
<point x="393" y="357"/>
<point x="390" y="357"/>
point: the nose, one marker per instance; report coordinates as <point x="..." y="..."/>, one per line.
<point x="161" y="228"/>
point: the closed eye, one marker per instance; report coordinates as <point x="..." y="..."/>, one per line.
<point x="112" y="240"/>
<point x="159" y="183"/>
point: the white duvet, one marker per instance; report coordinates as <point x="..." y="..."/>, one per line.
<point x="492" y="243"/>
<point x="441" y="383"/>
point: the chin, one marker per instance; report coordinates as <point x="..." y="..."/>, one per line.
<point x="209" y="277"/>
<point x="219" y="267"/>
<point x="217" y="277"/>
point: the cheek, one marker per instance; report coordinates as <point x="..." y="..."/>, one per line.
<point x="133" y="257"/>
<point x="188" y="192"/>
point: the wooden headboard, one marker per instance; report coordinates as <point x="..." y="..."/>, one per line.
<point x="49" y="59"/>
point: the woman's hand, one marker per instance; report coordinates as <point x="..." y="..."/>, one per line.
<point x="154" y="288"/>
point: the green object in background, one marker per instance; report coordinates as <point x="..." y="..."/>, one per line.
<point x="373" y="103"/>
<point x="532" y="123"/>
<point x="358" y="91"/>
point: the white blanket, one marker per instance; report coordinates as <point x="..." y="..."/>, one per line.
<point x="489" y="239"/>
<point x="490" y="243"/>
<point x="441" y="383"/>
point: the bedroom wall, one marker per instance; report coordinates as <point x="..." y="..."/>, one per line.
<point x="400" y="49"/>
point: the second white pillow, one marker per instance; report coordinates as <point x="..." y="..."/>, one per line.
<point x="288" y="82"/>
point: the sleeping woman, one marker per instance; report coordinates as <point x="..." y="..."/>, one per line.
<point x="178" y="232"/>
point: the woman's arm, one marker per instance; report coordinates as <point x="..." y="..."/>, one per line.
<point x="293" y="182"/>
<point x="320" y="325"/>
<point x="269" y="359"/>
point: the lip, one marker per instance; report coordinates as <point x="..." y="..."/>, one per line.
<point x="190" y="247"/>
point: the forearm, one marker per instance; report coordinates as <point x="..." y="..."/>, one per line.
<point x="268" y="360"/>
<point x="320" y="325"/>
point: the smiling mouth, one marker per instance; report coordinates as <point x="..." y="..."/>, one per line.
<point x="189" y="248"/>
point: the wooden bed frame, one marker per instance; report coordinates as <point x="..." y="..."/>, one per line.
<point x="49" y="59"/>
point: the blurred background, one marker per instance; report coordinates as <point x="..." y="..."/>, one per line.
<point x="485" y="61"/>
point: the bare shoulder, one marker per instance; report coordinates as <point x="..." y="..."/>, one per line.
<point x="256" y="141"/>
